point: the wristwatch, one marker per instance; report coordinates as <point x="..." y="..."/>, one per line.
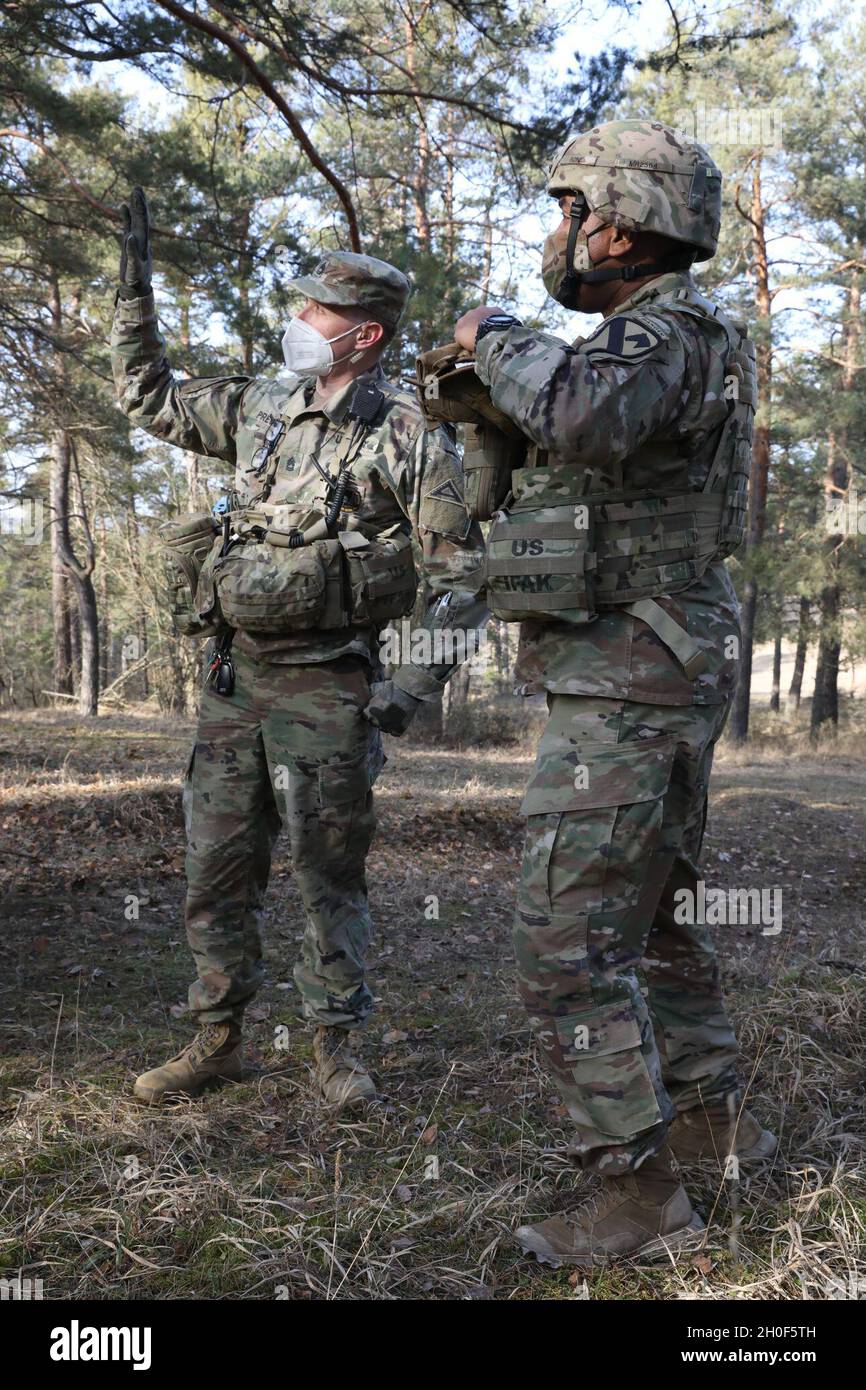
<point x="496" y="323"/>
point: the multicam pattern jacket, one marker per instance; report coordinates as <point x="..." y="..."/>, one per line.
<point x="405" y="473"/>
<point x="598" y="404"/>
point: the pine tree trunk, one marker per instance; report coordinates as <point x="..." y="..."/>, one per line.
<point x="777" y="672"/>
<point x="420" y="172"/>
<point x="760" y="456"/>
<point x="60" y="588"/>
<point x="88" y="695"/>
<point x="84" y="614"/>
<point x="65" y="484"/>
<point x="825" y="700"/>
<point x="104" y="614"/>
<point x="142" y="651"/>
<point x="75" y="641"/>
<point x="825" y="704"/>
<point x="743" y="694"/>
<point x="796" y="686"/>
<point x="62" y="679"/>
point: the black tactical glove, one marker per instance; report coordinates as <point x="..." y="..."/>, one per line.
<point x="391" y="709"/>
<point x="136" y="258"/>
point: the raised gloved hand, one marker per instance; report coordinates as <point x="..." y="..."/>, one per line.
<point x="136" y="258"/>
<point x="391" y="709"/>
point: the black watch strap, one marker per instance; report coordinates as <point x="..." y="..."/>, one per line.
<point x="496" y="323"/>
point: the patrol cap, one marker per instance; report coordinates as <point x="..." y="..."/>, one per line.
<point x="346" y="279"/>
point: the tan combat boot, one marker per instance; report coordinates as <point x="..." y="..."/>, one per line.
<point x="342" y="1078"/>
<point x="214" y="1055"/>
<point x="704" y="1134"/>
<point x="644" y="1214"/>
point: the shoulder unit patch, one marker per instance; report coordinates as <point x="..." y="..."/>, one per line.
<point x="442" y="508"/>
<point x="447" y="492"/>
<point x="621" y="339"/>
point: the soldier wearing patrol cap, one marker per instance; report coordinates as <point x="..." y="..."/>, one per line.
<point x="610" y="553"/>
<point x="335" y="471"/>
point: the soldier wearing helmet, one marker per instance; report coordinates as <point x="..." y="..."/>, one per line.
<point x="610" y="554"/>
<point x="629" y="178"/>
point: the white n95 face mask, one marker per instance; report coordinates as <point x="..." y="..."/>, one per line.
<point x="308" y="353"/>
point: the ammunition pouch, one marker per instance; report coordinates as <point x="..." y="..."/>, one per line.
<point x="269" y="589"/>
<point x="382" y="581"/>
<point x="541" y="564"/>
<point x="567" y="561"/>
<point x="189" y="548"/>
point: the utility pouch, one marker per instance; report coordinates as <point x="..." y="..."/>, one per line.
<point x="541" y="564"/>
<point x="489" y="458"/>
<point x="189" y="545"/>
<point x="271" y="589"/>
<point x="381" y="576"/>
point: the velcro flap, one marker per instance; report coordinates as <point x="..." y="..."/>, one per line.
<point x="598" y="1032"/>
<point x="569" y="777"/>
<point x="579" y="1040"/>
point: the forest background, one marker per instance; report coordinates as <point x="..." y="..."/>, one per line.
<point x="266" y="132"/>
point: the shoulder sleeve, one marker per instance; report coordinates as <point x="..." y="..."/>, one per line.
<point x="200" y="414"/>
<point x="598" y="400"/>
<point x="442" y="507"/>
<point x="425" y="465"/>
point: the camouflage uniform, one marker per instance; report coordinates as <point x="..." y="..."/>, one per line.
<point x="616" y="806"/>
<point x="290" y="747"/>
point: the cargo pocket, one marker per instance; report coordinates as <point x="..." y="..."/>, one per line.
<point x="597" y="1057"/>
<point x="345" y="799"/>
<point x="570" y="777"/>
<point x="382" y="577"/>
<point x="594" y="812"/>
<point x="187" y="548"/>
<point x="268" y="589"/>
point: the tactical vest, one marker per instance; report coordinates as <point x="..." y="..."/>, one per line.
<point x="560" y="552"/>
<point x="275" y="568"/>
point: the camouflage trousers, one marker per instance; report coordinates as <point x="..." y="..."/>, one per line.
<point x="289" y="749"/>
<point x="624" y="999"/>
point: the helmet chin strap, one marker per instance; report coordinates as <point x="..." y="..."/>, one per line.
<point x="626" y="272"/>
<point x="570" y="292"/>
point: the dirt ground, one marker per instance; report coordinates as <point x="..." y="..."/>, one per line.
<point x="258" y="1191"/>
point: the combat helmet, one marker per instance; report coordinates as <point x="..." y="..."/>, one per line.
<point x="640" y="176"/>
<point x="644" y="176"/>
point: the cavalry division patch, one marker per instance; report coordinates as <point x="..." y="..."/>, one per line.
<point x="621" y="339"/>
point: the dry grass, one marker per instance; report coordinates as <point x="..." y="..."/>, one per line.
<point x="258" y="1191"/>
